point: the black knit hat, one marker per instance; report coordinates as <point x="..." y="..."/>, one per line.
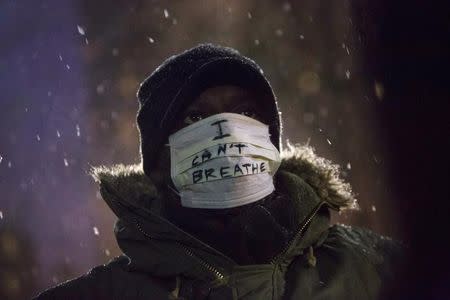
<point x="179" y="79"/>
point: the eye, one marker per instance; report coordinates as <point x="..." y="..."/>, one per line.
<point x="192" y="117"/>
<point x="247" y="109"/>
<point x="249" y="113"/>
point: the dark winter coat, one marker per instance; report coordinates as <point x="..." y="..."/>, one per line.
<point x="161" y="261"/>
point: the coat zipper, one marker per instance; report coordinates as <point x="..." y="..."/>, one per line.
<point x="217" y="274"/>
<point x="298" y="234"/>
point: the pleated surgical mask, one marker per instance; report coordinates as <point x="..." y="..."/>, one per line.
<point x="223" y="161"/>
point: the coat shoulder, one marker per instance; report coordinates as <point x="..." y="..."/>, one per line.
<point x="109" y="281"/>
<point x="365" y="239"/>
<point x="383" y="252"/>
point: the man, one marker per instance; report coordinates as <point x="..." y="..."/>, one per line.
<point x="214" y="212"/>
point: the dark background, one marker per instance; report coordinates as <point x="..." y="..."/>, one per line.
<point x="363" y="82"/>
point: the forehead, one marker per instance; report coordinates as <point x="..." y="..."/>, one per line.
<point x="223" y="97"/>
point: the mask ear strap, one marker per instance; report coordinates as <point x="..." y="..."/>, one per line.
<point x="173" y="190"/>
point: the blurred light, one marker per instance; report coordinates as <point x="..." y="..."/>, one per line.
<point x="11" y="285"/>
<point x="323" y="111"/>
<point x="379" y="90"/>
<point x="127" y="86"/>
<point x="309" y="83"/>
<point x="9" y="246"/>
<point x="308" y="118"/>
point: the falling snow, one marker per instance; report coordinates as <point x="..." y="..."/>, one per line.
<point x="1" y="215"/>
<point x="38" y="138"/>
<point x="151" y="40"/>
<point x="114" y="115"/>
<point x="302" y="37"/>
<point x="347" y="74"/>
<point x="66" y="163"/>
<point x="81" y="30"/>
<point x="374" y="209"/>
<point x="166" y="13"/>
<point x="1" y="158"/>
<point x="249" y="15"/>
<point x="9" y="164"/>
<point x="328" y="141"/>
<point x="376" y="159"/>
<point x="279" y="32"/>
<point x="256" y="42"/>
<point x="58" y="134"/>
<point x="287" y="7"/>
<point x="100" y="89"/>
<point x="67" y="67"/>
<point x="96" y="232"/>
<point x="107" y="252"/>
<point x="349" y="166"/>
<point x="77" y="127"/>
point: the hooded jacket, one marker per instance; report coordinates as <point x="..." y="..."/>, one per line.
<point x="161" y="261"/>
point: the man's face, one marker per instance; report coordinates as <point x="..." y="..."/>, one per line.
<point x="214" y="100"/>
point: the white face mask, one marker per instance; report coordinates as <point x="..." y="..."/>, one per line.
<point x="223" y="161"/>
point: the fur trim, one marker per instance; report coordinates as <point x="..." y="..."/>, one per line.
<point x="320" y="173"/>
<point x="129" y="182"/>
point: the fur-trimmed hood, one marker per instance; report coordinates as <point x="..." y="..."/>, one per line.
<point x="155" y="245"/>
<point x="321" y="174"/>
